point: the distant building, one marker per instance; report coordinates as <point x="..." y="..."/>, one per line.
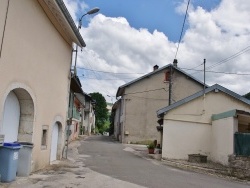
<point x="142" y="97"/>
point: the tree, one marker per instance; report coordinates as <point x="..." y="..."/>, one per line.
<point x="101" y="111"/>
<point x="247" y="95"/>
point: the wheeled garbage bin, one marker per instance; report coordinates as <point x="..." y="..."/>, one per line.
<point x="8" y="161"/>
<point x="25" y="157"/>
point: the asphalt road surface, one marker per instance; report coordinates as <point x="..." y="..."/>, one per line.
<point x="108" y="157"/>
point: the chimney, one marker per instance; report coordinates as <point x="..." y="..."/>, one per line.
<point x="175" y="62"/>
<point x="155" y="67"/>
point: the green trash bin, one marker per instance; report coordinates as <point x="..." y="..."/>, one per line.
<point x="8" y="161"/>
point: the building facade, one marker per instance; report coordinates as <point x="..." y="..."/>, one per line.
<point x="141" y="98"/>
<point x="35" y="62"/>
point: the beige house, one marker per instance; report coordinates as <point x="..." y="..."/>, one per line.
<point x="88" y="115"/>
<point x="204" y="123"/>
<point x="141" y="98"/>
<point x="36" y="38"/>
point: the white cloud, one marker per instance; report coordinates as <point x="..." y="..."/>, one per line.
<point x="114" y="46"/>
<point x="182" y="7"/>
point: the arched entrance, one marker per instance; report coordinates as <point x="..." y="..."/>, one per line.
<point x="55" y="142"/>
<point x="18" y="116"/>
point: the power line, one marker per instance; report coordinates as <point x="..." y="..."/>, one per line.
<point x="230" y="57"/>
<point x="105" y="78"/>
<point x="106" y="71"/>
<point x="146" y="91"/>
<point x="182" y="29"/>
<point x="219" y="72"/>
<point x="147" y="98"/>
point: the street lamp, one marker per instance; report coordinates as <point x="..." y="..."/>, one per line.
<point x="92" y="11"/>
<point x="111" y="99"/>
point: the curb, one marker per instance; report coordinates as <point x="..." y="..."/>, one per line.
<point x="196" y="168"/>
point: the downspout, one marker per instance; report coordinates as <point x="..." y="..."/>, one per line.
<point x="69" y="121"/>
<point x="5" y="22"/>
<point x="204" y="88"/>
<point x="170" y="87"/>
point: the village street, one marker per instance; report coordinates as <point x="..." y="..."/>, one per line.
<point x="111" y="158"/>
<point x="101" y="162"/>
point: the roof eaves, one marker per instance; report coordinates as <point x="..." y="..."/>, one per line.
<point x="71" y="22"/>
<point x="140" y="78"/>
<point x="162" y="111"/>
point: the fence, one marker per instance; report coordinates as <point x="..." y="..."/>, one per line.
<point x="242" y="144"/>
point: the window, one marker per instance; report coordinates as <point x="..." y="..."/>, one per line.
<point x="167" y="76"/>
<point x="44" y="137"/>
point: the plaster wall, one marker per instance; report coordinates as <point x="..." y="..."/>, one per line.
<point x="143" y="98"/>
<point x="188" y="128"/>
<point x="223" y="139"/>
<point x="183" y="138"/>
<point x="35" y="57"/>
<point x="200" y="110"/>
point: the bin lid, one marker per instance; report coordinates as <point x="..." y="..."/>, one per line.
<point x="26" y="144"/>
<point x="11" y="145"/>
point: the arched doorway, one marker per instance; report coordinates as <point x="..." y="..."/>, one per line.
<point x="11" y="117"/>
<point x="18" y="116"/>
<point x="55" y="141"/>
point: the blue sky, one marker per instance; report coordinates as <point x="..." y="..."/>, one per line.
<point x="127" y="38"/>
<point x="150" y="14"/>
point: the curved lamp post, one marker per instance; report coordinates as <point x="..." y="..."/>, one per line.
<point x="92" y="11"/>
<point x="111" y="97"/>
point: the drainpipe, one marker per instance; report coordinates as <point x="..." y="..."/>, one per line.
<point x="170" y="87"/>
<point x="204" y="88"/>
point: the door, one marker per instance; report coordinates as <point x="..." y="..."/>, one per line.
<point x="54" y="142"/>
<point x="11" y="117"/>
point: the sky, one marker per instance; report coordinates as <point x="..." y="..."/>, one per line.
<point x="125" y="39"/>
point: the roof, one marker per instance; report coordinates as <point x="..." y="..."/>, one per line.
<point x="70" y="21"/>
<point x="230" y="113"/>
<point x="122" y="88"/>
<point x="215" y="88"/>
<point x="75" y="85"/>
<point x="60" y="17"/>
<point x="80" y="97"/>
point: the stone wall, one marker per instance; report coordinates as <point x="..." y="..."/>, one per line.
<point x="239" y="166"/>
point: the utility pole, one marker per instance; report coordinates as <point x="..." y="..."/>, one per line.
<point x="204" y="63"/>
<point x="204" y="88"/>
<point x="170" y="87"/>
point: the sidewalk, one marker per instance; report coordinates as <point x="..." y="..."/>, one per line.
<point x="68" y="173"/>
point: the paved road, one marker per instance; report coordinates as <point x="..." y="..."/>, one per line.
<point x="108" y="157"/>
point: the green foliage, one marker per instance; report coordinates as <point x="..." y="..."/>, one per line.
<point x="151" y="145"/>
<point x="101" y="111"/>
<point x="247" y="95"/>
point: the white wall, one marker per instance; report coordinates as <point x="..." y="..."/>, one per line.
<point x="183" y="138"/>
<point x="223" y="139"/>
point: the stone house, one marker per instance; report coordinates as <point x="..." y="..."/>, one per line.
<point x="142" y="97"/>
<point x="36" y="38"/>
